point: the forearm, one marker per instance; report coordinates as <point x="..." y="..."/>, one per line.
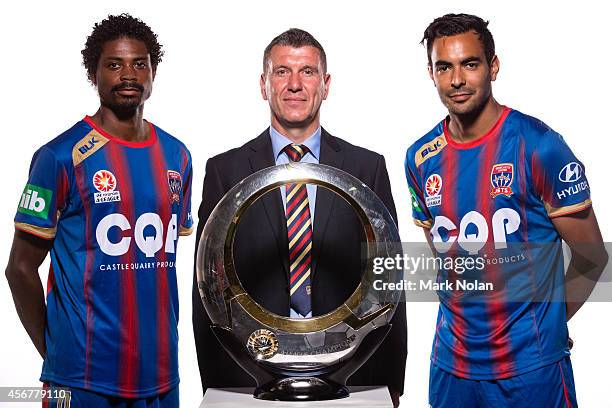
<point x="581" y="277"/>
<point x="29" y="298"/>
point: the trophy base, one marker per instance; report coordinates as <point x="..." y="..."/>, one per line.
<point x="287" y="385"/>
<point x="301" y="389"/>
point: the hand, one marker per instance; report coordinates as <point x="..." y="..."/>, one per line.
<point x="570" y="343"/>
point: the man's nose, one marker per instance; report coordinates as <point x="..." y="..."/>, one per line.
<point x="295" y="82"/>
<point x="457" y="79"/>
<point x="128" y="73"/>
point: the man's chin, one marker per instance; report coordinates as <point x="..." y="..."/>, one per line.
<point x="465" y="109"/>
<point x="295" y="122"/>
<point x="124" y="107"/>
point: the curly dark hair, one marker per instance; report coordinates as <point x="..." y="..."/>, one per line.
<point x="453" y="24"/>
<point x="113" y="27"/>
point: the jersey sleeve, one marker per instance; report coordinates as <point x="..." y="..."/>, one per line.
<point x="559" y="177"/>
<point x="420" y="213"/>
<point x="43" y="197"/>
<point x="186" y="220"/>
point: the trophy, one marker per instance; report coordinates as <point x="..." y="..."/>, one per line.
<point x="298" y="359"/>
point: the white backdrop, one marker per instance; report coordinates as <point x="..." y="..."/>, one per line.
<point x="207" y="94"/>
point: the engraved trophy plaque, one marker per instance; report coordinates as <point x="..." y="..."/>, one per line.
<point x="298" y="359"/>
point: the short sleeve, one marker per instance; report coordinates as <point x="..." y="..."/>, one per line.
<point x="186" y="220"/>
<point x="420" y="213"/>
<point x="43" y="197"/>
<point x="559" y="178"/>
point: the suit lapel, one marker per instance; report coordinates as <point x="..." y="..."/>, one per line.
<point x="260" y="158"/>
<point x="331" y="155"/>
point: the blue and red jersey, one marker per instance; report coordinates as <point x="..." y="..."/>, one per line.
<point x="495" y="198"/>
<point x="114" y="210"/>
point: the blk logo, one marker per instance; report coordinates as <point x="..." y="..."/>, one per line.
<point x="90" y="144"/>
<point x="437" y="144"/>
<point x="571" y="172"/>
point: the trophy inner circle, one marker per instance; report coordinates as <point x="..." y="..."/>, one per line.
<point x="269" y="318"/>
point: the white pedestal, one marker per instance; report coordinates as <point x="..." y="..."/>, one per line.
<point x="366" y="397"/>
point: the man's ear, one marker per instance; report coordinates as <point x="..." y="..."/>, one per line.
<point x="262" y="86"/>
<point x="494" y="67"/>
<point x="326" y="82"/>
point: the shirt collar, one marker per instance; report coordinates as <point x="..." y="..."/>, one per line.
<point x="313" y="142"/>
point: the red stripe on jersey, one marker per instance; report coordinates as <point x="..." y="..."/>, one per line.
<point x="164" y="206"/>
<point x="415" y="182"/>
<point x="186" y="187"/>
<point x="50" y="280"/>
<point x="45" y="401"/>
<point x="500" y="339"/>
<point x="435" y="352"/>
<point x="129" y="339"/>
<point x="449" y="205"/>
<point x="565" y="391"/>
<point x="81" y="182"/>
<point x="522" y="179"/>
<point x="184" y="161"/>
<point x="521" y="174"/>
<point x="62" y="190"/>
<point x="542" y="188"/>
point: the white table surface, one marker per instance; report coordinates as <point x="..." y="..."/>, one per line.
<point x="370" y="397"/>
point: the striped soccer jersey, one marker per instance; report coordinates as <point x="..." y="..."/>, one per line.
<point x="114" y="210"/>
<point x="489" y="198"/>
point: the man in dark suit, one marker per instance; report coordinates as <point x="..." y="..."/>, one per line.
<point x="298" y="252"/>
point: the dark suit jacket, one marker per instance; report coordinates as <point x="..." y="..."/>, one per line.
<point x="261" y="255"/>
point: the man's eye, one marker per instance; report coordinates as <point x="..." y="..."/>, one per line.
<point x="471" y="65"/>
<point x="141" y="65"/>
<point x="442" y="68"/>
<point x="308" y="72"/>
<point x="113" y="65"/>
<point x="281" y="71"/>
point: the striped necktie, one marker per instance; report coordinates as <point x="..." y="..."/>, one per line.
<point x="299" y="233"/>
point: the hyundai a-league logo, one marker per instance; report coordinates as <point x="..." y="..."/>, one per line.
<point x="502" y="176"/>
<point x="433" y="186"/>
<point x="105" y="182"/>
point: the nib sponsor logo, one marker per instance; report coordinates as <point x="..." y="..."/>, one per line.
<point x="35" y="201"/>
